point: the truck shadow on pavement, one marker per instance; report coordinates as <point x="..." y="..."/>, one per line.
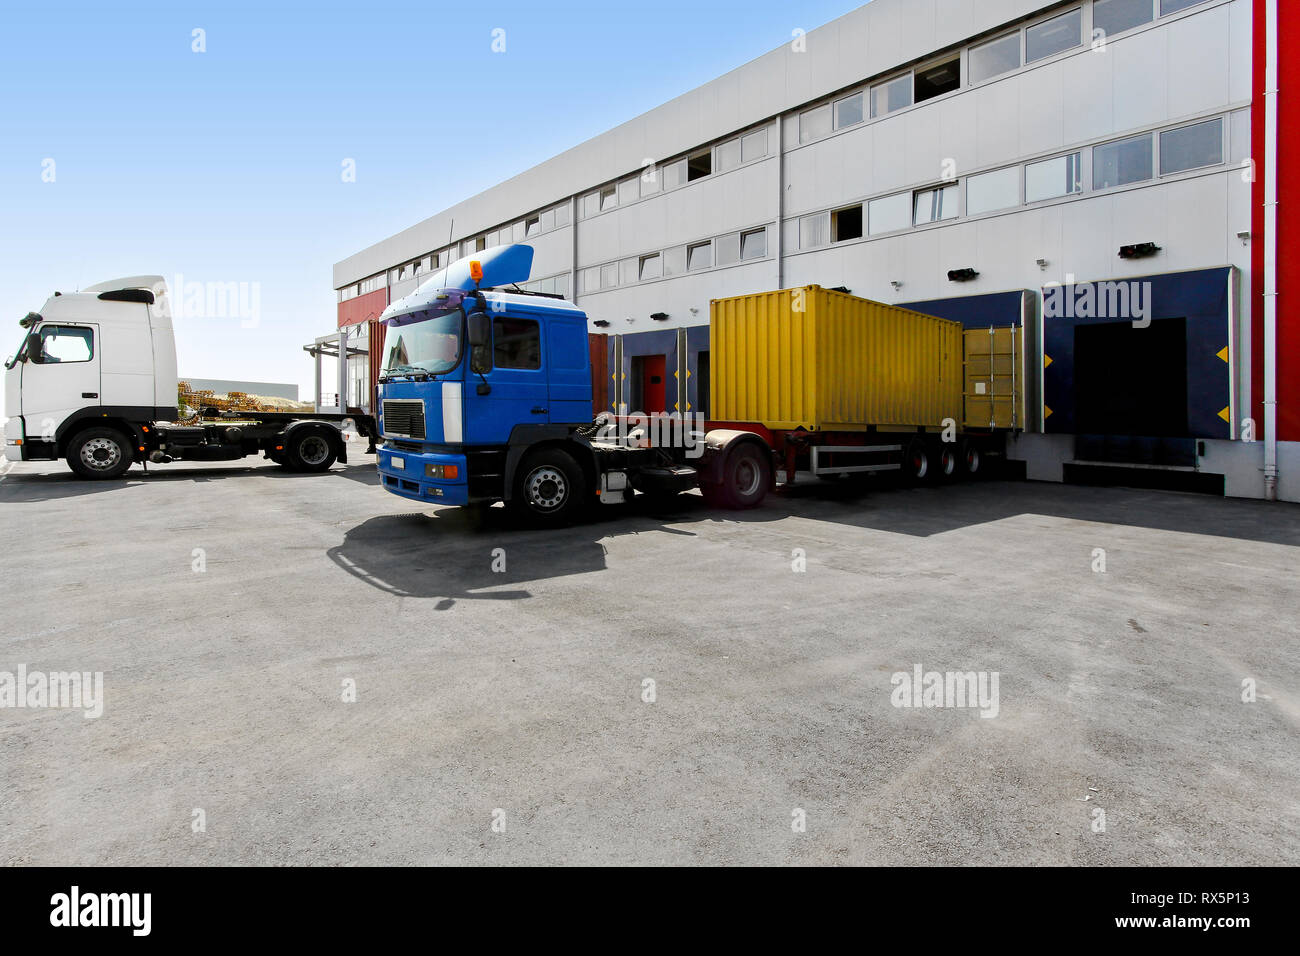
<point x="485" y="554"/>
<point x="29" y="488"/>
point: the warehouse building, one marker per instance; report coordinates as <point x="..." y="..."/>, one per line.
<point x="1091" y="174"/>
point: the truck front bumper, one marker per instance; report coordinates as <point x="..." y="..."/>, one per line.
<point x="415" y="475"/>
<point x="14" y="438"/>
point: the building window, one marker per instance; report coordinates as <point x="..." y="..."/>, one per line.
<point x="589" y="280"/>
<point x="436" y="260"/>
<point x="699" y="255"/>
<point x="1054" y="36"/>
<point x="846" y="223"/>
<point x="727" y="249"/>
<point x="518" y="231"/>
<point x="699" y="165"/>
<point x="1118" y="164"/>
<point x="1191" y="147"/>
<point x="937" y="79"/>
<point x="648" y="181"/>
<point x="674" y="174"/>
<point x="848" y="111"/>
<point x="1173" y="6"/>
<point x="727" y="155"/>
<point x="532" y="226"/>
<point x="516" y="343"/>
<point x="1054" y="178"/>
<point x="561" y="215"/>
<point x="479" y="245"/>
<point x="814" y="123"/>
<point x="608" y="198"/>
<point x="674" y="260"/>
<point x="651" y="267"/>
<point x="753" y="145"/>
<point x="992" y="191"/>
<point x="889" y="214"/>
<point x="890" y="96"/>
<point x="753" y="244"/>
<point x="935" y="205"/>
<point x="629" y="190"/>
<point x="813" y="230"/>
<point x="1116" y="16"/>
<point x="627" y="271"/>
<point x="609" y="275"/>
<point x="995" y="58"/>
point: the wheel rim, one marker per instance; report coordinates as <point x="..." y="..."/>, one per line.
<point x="546" y="488"/>
<point x="313" y="450"/>
<point x="101" y="454"/>
<point x="748" y="477"/>
<point x="920" y="464"/>
<point x="972" y="460"/>
<point x="947" y="462"/>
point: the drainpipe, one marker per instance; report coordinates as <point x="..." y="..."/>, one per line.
<point x="1270" y="253"/>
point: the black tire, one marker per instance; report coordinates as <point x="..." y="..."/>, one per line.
<point x="550" y="488"/>
<point x="746" y="475"/>
<point x="309" y="450"/>
<point x="972" y="459"/>
<point x="918" y="462"/>
<point x="99" y="453"/>
<point x="947" y="463"/>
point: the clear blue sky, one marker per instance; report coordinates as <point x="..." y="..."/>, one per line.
<point x="224" y="166"/>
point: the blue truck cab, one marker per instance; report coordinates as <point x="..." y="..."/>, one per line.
<point x="485" y="395"/>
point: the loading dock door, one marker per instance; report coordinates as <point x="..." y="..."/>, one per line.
<point x="648" y="373"/>
<point x="1131" y="381"/>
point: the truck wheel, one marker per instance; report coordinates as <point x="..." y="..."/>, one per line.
<point x="549" y="487"/>
<point x="971" y="459"/>
<point x="947" y="464"/>
<point x="99" y="453"/>
<point x="746" y="475"/>
<point x="309" y="451"/>
<point x="917" y="464"/>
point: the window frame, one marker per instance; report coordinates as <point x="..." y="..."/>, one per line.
<point x="56" y="327"/>
<point x="1025" y="58"/>
<point x="974" y="48"/>
<point x="1158" y="159"/>
<point x="496" y="357"/>
<point x="749" y="234"/>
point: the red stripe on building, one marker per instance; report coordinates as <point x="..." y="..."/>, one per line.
<point x="363" y="308"/>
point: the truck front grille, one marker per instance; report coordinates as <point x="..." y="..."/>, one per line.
<point x="404" y="416"/>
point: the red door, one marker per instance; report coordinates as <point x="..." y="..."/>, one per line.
<point x="652" y="385"/>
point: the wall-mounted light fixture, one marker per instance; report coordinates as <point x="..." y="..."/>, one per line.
<point x="1244" y="236"/>
<point x="1042" y="264"/>
<point x="659" y="316"/>
<point x="1139" y="250"/>
<point x="601" y="324"/>
<point x="896" y="284"/>
<point x="962" y="275"/>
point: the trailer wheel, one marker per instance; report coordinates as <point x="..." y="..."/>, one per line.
<point x="746" y="475"/>
<point x="916" y="461"/>
<point x="309" y="450"/>
<point x="948" y="463"/>
<point x="971" y="459"/>
<point x="99" y="453"/>
<point x="549" y="487"/>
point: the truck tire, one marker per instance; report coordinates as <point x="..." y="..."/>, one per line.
<point x="309" y="450"/>
<point x="99" y="453"/>
<point x="918" y="463"/>
<point x="947" y="465"/>
<point x="972" y="459"/>
<point x="550" y="488"/>
<point x="746" y="474"/>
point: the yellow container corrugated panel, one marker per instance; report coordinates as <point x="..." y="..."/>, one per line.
<point x="821" y="360"/>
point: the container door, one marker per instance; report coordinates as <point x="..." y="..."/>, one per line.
<point x="993" y="392"/>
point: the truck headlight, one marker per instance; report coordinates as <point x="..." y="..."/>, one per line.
<point x="443" y="472"/>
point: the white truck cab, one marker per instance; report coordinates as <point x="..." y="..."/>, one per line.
<point x="94" y="382"/>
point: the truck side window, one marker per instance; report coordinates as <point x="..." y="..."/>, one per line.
<point x="516" y="343"/>
<point x="65" y="343"/>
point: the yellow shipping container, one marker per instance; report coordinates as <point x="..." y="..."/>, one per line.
<point x="821" y="360"/>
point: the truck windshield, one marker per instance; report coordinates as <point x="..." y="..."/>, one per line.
<point x="428" y="346"/>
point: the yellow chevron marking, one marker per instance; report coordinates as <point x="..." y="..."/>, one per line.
<point x="1225" y="416"/>
<point x="1047" y="360"/>
<point x="1047" y="412"/>
<point x="1223" y="353"/>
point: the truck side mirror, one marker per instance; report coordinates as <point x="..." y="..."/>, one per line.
<point x="480" y="343"/>
<point x="480" y="330"/>
<point x="35" y="352"/>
